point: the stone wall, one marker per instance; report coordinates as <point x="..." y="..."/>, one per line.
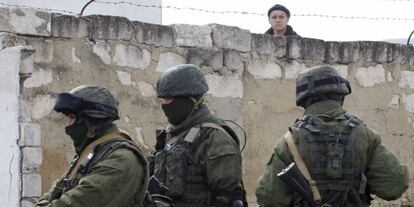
<point x="251" y="78"/>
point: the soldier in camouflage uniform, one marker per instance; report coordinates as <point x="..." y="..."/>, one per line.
<point x="108" y="169"/>
<point x="344" y="156"/>
<point x="197" y="156"/>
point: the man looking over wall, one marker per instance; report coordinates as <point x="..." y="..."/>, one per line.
<point x="278" y="17"/>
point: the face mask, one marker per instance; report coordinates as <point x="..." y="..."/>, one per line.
<point x="178" y="110"/>
<point x="77" y="132"/>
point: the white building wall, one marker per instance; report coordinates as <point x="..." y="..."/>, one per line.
<point x="143" y="14"/>
<point x="9" y="128"/>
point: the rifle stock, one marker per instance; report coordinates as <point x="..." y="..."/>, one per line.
<point x="294" y="178"/>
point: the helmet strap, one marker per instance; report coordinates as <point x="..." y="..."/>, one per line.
<point x="196" y="102"/>
<point x="92" y="128"/>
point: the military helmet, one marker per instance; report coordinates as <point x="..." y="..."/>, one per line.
<point x="93" y="101"/>
<point x="321" y="80"/>
<point x="182" y="80"/>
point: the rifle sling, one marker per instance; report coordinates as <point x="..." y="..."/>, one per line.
<point x="214" y="126"/>
<point x="92" y="146"/>
<point x="301" y="165"/>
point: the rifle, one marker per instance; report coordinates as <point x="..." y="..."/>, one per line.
<point x="295" y="179"/>
<point x="63" y="183"/>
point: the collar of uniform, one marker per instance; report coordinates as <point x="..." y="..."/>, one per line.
<point x="289" y="31"/>
<point x="98" y="134"/>
<point x="191" y="121"/>
<point x="328" y="108"/>
<point x="111" y="128"/>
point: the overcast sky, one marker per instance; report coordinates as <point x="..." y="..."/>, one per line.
<point x="313" y="27"/>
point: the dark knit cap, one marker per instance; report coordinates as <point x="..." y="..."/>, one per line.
<point x="279" y="7"/>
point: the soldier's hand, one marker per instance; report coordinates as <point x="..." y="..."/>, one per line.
<point x="42" y="203"/>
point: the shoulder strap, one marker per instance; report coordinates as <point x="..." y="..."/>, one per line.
<point x="225" y="128"/>
<point x="214" y="126"/>
<point x="301" y="165"/>
<point x="92" y="146"/>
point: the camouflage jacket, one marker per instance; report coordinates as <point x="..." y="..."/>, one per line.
<point x="115" y="180"/>
<point x="386" y="177"/>
<point x="212" y="166"/>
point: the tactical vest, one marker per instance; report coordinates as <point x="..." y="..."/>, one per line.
<point x="100" y="152"/>
<point x="175" y="167"/>
<point x="329" y="142"/>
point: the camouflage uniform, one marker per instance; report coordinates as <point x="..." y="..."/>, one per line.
<point x="365" y="165"/>
<point x="115" y="173"/>
<point x="199" y="163"/>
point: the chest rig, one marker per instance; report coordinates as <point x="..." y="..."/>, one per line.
<point x="178" y="168"/>
<point x="330" y="143"/>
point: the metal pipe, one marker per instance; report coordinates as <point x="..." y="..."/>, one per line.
<point x="409" y="38"/>
<point x="84" y="7"/>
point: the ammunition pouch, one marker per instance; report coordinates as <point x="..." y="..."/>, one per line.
<point x="171" y="168"/>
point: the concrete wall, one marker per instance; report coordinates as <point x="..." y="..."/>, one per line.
<point x="16" y="66"/>
<point x="251" y="78"/>
<point x="145" y="14"/>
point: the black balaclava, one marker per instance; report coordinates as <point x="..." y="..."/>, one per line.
<point x="85" y="130"/>
<point x="178" y="110"/>
<point x="78" y="133"/>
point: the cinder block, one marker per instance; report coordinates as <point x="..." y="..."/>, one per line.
<point x="26" y="62"/>
<point x="409" y="103"/>
<point x="370" y="76"/>
<point x="234" y="61"/>
<point x="368" y="51"/>
<point x="224" y="86"/>
<point x="332" y="54"/>
<point x="383" y="52"/>
<point x="31" y="185"/>
<point x="306" y="49"/>
<point x="111" y="27"/>
<point x="24" y="111"/>
<point x="341" y="52"/>
<point x="29" y="22"/>
<point x="349" y="52"/>
<point x="264" y="69"/>
<point x="30" y="135"/>
<point x="28" y="202"/>
<point x="407" y="79"/>
<point x="269" y="45"/>
<point x="32" y="159"/>
<point x="168" y="60"/>
<point x="4" y="19"/>
<point x="67" y="26"/>
<point x="192" y="35"/>
<point x="231" y="38"/>
<point x="131" y="56"/>
<point x="205" y="56"/>
<point x="154" y="34"/>
<point x="403" y="54"/>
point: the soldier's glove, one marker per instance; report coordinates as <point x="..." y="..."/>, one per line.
<point x="42" y="203"/>
<point x="230" y="199"/>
